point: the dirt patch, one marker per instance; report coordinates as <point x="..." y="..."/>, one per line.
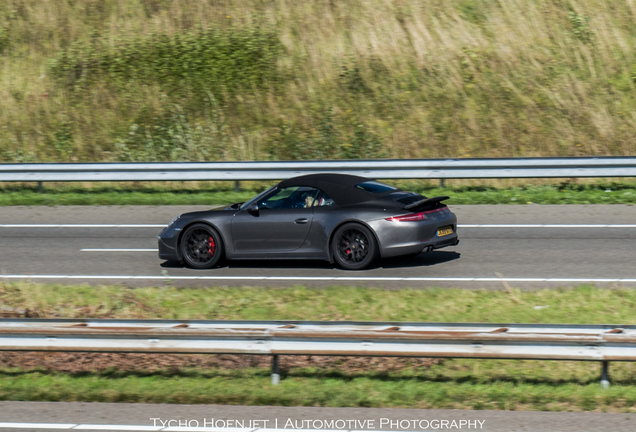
<point x="96" y="362"/>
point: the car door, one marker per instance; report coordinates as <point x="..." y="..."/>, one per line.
<point x="281" y="223"/>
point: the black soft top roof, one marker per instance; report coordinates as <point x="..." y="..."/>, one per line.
<point x="340" y="187"/>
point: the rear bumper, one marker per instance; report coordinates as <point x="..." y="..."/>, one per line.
<point x="452" y="240"/>
<point x="412" y="238"/>
<point x="419" y="247"/>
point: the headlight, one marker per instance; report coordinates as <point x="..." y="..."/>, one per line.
<point x="174" y="220"/>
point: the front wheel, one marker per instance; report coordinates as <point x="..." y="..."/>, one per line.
<point x="201" y="246"/>
<point x="354" y="247"/>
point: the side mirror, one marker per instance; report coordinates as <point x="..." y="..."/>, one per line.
<point x="253" y="209"/>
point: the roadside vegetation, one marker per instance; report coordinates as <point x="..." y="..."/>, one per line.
<point x="158" y="80"/>
<point x="206" y="193"/>
<point x="447" y="383"/>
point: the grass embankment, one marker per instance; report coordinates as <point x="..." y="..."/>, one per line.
<point x="180" y="80"/>
<point x="477" y="384"/>
<point x="623" y="192"/>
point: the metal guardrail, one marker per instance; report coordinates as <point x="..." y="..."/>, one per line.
<point x="602" y="343"/>
<point x="567" y="167"/>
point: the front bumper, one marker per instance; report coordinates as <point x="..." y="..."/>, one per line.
<point x="167" y="243"/>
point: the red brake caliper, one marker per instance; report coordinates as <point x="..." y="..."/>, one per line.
<point x="211" y="246"/>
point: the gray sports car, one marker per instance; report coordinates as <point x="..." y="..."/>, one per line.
<point x="335" y="217"/>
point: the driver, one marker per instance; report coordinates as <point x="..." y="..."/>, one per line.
<point x="309" y="201"/>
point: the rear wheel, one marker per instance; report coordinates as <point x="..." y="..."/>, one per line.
<point x="354" y="247"/>
<point x="201" y="246"/>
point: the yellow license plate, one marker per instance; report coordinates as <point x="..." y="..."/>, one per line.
<point x="444" y="231"/>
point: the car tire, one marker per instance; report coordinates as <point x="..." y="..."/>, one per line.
<point x="201" y="246"/>
<point x="354" y="247"/>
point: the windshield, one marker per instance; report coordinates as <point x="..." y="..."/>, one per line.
<point x="375" y="187"/>
<point x="257" y="197"/>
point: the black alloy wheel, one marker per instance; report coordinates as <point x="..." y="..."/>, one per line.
<point x="354" y="247"/>
<point x="201" y="246"/>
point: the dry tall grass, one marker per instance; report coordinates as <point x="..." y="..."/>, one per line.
<point x="424" y="78"/>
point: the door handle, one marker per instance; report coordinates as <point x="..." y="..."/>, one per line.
<point x="301" y="221"/>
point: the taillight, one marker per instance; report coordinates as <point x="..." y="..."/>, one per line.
<point x="407" y="218"/>
<point x="414" y="217"/>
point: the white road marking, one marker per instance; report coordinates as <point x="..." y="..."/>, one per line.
<point x="459" y="226"/>
<point x="83" y="226"/>
<point x="301" y="430"/>
<point x="212" y="429"/>
<point x="216" y="429"/>
<point x="325" y="278"/>
<point x="117" y="427"/>
<point x="546" y="226"/>
<point x="73" y="426"/>
<point x="37" y="425"/>
<point x="118" y="250"/>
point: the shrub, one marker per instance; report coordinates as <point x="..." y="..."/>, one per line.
<point x="63" y="140"/>
<point x="4" y="40"/>
<point x="580" y="27"/>
<point x="362" y="144"/>
<point x="174" y="136"/>
<point x="204" y="60"/>
<point x="325" y="141"/>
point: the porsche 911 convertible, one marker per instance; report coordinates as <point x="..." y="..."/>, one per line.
<point x="340" y="218"/>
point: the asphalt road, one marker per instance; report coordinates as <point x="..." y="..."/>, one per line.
<point x="514" y="252"/>
<point x="89" y="415"/>
<point x="571" y="254"/>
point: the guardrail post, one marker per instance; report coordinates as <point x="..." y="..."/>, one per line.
<point x="442" y="183"/>
<point x="605" y="374"/>
<point x="275" y="371"/>
<point x="40" y="187"/>
<point x="237" y="186"/>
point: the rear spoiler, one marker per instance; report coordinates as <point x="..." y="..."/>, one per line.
<point x="427" y="202"/>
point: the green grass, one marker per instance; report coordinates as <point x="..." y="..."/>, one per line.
<point x="205" y="194"/>
<point x="522" y="385"/>
<point x="116" y="80"/>
<point x="585" y="304"/>
<point x="473" y="384"/>
<point x="119" y="196"/>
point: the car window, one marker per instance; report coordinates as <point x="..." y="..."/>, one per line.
<point x="375" y="187"/>
<point x="323" y="200"/>
<point x="290" y="198"/>
<point x="257" y="198"/>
